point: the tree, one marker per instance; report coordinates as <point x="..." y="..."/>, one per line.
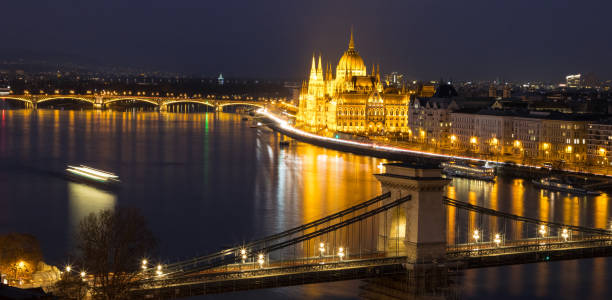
<point x="19" y="254"/>
<point x="110" y="246"/>
<point x="71" y="286"/>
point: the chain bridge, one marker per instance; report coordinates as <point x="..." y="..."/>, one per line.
<point x="409" y="230"/>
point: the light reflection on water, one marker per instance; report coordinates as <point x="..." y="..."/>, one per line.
<point x="84" y="200"/>
<point x="208" y="180"/>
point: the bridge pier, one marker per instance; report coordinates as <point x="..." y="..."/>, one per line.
<point x="417" y="228"/>
<point x="163" y="107"/>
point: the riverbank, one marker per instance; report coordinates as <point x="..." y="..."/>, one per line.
<point x="600" y="181"/>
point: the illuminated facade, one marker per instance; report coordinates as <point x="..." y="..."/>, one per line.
<point x="534" y="136"/>
<point x="573" y="81"/>
<point x="352" y="101"/>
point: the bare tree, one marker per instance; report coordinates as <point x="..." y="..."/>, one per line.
<point x="70" y="287"/>
<point x="110" y="245"/>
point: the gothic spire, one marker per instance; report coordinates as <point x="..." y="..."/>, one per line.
<point x="352" y="41"/>
<point x="320" y="69"/>
<point x="313" y="69"/>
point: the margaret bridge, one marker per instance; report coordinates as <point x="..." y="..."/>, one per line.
<point x="408" y="231"/>
<point x="162" y="103"/>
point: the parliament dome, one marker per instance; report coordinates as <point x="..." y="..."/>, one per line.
<point x="350" y="63"/>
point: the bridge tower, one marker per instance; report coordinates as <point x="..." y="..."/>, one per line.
<point x="417" y="228"/>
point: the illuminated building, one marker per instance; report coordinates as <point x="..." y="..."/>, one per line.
<point x="220" y="80"/>
<point x="352" y="101"/>
<point x="573" y="81"/>
<point x="429" y="120"/>
<point x="507" y="91"/>
<point x="540" y="136"/>
<point x="599" y="143"/>
<point x="394" y="79"/>
<point x="426" y="90"/>
<point x="492" y="91"/>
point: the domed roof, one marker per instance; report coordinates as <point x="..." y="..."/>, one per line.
<point x="350" y="62"/>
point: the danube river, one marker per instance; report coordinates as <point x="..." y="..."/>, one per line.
<point x="207" y="180"/>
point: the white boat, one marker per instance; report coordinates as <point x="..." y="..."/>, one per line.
<point x="91" y="175"/>
<point x="555" y="184"/>
<point x="469" y="170"/>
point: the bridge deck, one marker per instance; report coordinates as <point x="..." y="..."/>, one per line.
<point x="238" y="277"/>
<point x="273" y="277"/>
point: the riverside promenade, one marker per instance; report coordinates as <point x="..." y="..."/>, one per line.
<point x="393" y="152"/>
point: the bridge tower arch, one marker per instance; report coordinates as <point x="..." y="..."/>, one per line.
<point x="417" y="227"/>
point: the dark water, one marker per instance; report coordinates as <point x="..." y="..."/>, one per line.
<point x="205" y="181"/>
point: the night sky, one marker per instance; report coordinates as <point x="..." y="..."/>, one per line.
<point x="425" y="39"/>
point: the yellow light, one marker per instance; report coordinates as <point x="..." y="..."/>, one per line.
<point x="83" y="274"/>
<point x="546" y="146"/>
<point x="144" y="261"/>
<point x="68" y="268"/>
<point x="494" y="141"/>
<point x="476" y="235"/>
<point x="453" y="138"/>
<point x="569" y="149"/>
<point x="517" y="143"/>
<point x="497" y="239"/>
<point x="473" y="140"/>
<point x="542" y="230"/>
<point x="602" y="151"/>
<point x="260" y="260"/>
<point x="565" y="234"/>
<point x="21" y="264"/>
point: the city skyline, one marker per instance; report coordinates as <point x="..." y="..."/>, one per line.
<point x="479" y="40"/>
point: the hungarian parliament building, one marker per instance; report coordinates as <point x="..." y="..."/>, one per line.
<point x="352" y="101"/>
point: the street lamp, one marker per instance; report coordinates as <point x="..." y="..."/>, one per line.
<point x="260" y="260"/>
<point x="565" y="234"/>
<point x="322" y="248"/>
<point x="144" y="264"/>
<point x="497" y="239"/>
<point x="341" y="252"/>
<point x="542" y="230"/>
<point x="476" y="235"/>
<point x="68" y="268"/>
<point x="159" y="270"/>
<point x="243" y="254"/>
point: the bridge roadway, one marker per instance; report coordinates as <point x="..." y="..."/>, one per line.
<point x="249" y="275"/>
<point x="102" y="101"/>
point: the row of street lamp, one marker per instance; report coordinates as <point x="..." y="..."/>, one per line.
<point x="497" y="239"/>
<point x="261" y="257"/>
<point x="158" y="269"/>
<point x="68" y="269"/>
